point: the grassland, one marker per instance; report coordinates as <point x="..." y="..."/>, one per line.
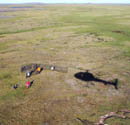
<point x="80" y="37"/>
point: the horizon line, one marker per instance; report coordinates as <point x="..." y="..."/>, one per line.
<point x="61" y="3"/>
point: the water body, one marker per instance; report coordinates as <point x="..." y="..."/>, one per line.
<point x="5" y="17"/>
<point x="17" y="7"/>
<point x="4" y="11"/>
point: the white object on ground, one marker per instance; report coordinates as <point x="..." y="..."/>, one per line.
<point x="52" y="67"/>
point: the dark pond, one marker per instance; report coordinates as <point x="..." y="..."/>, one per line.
<point x="17" y="7"/>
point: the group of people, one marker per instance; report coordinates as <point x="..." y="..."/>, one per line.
<point x="28" y="74"/>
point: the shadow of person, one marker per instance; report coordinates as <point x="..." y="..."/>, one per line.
<point x="31" y="83"/>
<point x="87" y="76"/>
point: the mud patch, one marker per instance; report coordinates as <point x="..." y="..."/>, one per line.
<point x="92" y="37"/>
<point x="118" y="31"/>
<point x="121" y="32"/>
<point x="2" y="36"/>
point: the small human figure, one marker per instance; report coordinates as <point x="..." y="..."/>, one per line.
<point x="15" y="86"/>
<point x="28" y="84"/>
<point x="28" y="74"/>
<point x="52" y="68"/>
<point x="38" y="70"/>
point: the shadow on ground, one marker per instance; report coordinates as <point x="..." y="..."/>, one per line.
<point x="87" y="76"/>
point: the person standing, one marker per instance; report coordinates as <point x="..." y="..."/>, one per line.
<point x="28" y="84"/>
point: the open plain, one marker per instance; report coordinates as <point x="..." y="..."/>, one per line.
<point x="80" y="37"/>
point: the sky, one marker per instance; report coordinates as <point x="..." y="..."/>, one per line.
<point x="65" y="1"/>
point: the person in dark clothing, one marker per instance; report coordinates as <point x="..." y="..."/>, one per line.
<point x="15" y="86"/>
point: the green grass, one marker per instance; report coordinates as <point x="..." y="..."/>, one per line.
<point x="80" y="37"/>
<point x="13" y="95"/>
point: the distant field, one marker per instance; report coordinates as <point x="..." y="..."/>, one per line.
<point x="79" y="37"/>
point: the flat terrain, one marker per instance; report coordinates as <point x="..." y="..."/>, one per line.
<point x="79" y="37"/>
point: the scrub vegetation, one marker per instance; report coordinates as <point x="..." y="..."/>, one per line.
<point x="79" y="37"/>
